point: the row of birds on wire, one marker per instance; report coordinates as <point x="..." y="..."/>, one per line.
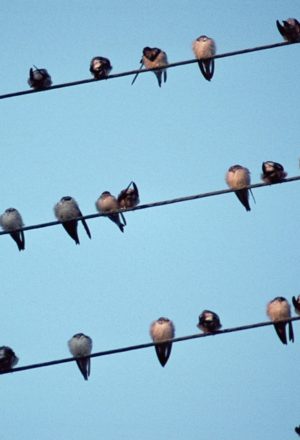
<point x="67" y="209"/>
<point x="162" y="331"/>
<point x="204" y="49"/>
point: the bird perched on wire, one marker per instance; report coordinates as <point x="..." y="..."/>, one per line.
<point x="10" y="220"/>
<point x="107" y="203"/>
<point x="204" y="49"/>
<point x="161" y="330"/>
<point x="290" y="30"/>
<point x="81" y="345"/>
<point x="39" y="79"/>
<point x="154" y="57"/>
<point x="67" y="211"/>
<point x="237" y="178"/>
<point x="296" y="304"/>
<point x="273" y="172"/>
<point x="279" y="309"/>
<point x="100" y="67"/>
<point x="8" y="359"/>
<point x="209" y="322"/>
<point x="129" y="197"/>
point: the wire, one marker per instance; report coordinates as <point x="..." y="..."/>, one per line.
<point x="153" y="205"/>
<point x="139" y="71"/>
<point x="149" y="344"/>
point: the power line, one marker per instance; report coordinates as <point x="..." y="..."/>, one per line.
<point x="140" y="71"/>
<point x="154" y="204"/>
<point x="149" y="344"/>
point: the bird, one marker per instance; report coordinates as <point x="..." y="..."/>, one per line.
<point x="129" y="197"/>
<point x="10" y="220"/>
<point x="290" y="30"/>
<point x="204" y="49"/>
<point x="154" y="57"/>
<point x="81" y="345"/>
<point x="67" y="211"/>
<point x="296" y="304"/>
<point x="100" y="67"/>
<point x="279" y="309"/>
<point x="107" y="203"/>
<point x="209" y="322"/>
<point x="8" y="359"/>
<point x="297" y="430"/>
<point x="39" y="79"/>
<point x="273" y="172"/>
<point x="160" y="330"/>
<point x="237" y="178"/>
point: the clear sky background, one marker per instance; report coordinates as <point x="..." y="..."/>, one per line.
<point x="171" y="261"/>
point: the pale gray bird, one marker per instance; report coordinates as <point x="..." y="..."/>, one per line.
<point x="39" y="79"/>
<point x="129" y="197"/>
<point x="296" y="304"/>
<point x="67" y="211"/>
<point x="154" y="57"/>
<point x="107" y="203"/>
<point x="273" y="172"/>
<point x="237" y="178"/>
<point x="100" y="67"/>
<point x="10" y="220"/>
<point x="204" y="49"/>
<point x="81" y="345"/>
<point x="161" y="330"/>
<point x="8" y="359"/>
<point x="279" y="309"/>
<point x="209" y="322"/>
<point x="290" y="30"/>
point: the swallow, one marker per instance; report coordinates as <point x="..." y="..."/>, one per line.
<point x="129" y="197"/>
<point x="209" y="322"/>
<point x="100" y="67"/>
<point x="290" y="30"/>
<point x="67" y="211"/>
<point x="273" y="172"/>
<point x="39" y="79"/>
<point x="81" y="345"/>
<point x="279" y="309"/>
<point x="204" y="49"/>
<point x="296" y="304"/>
<point x="237" y="178"/>
<point x="11" y="219"/>
<point x="161" y="330"/>
<point x="8" y="359"/>
<point x="154" y="57"/>
<point x="108" y="203"/>
<point x="297" y="430"/>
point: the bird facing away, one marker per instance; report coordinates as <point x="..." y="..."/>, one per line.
<point x="209" y="322"/>
<point x="67" y="211"/>
<point x="273" y="172"/>
<point x="11" y="219"/>
<point x="129" y="197"/>
<point x="296" y="304"/>
<point x="204" y="49"/>
<point x="290" y="30"/>
<point x="297" y="430"/>
<point x="8" y="359"/>
<point x="107" y="203"/>
<point x="39" y="79"/>
<point x="161" y="330"/>
<point x="237" y="178"/>
<point x="81" y="345"/>
<point x="100" y="67"/>
<point x="154" y="57"/>
<point x="279" y="309"/>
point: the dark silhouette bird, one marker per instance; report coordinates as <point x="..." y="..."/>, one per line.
<point x="209" y="322"/>
<point x="273" y="172"/>
<point x="290" y="30"/>
<point x="8" y="359"/>
<point x="100" y="67"/>
<point x="39" y="79"/>
<point x="129" y="197"/>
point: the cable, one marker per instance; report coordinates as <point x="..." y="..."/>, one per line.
<point x="147" y="345"/>
<point x="139" y="71"/>
<point x="154" y="204"/>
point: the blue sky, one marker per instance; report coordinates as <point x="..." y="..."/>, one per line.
<point x="172" y="261"/>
